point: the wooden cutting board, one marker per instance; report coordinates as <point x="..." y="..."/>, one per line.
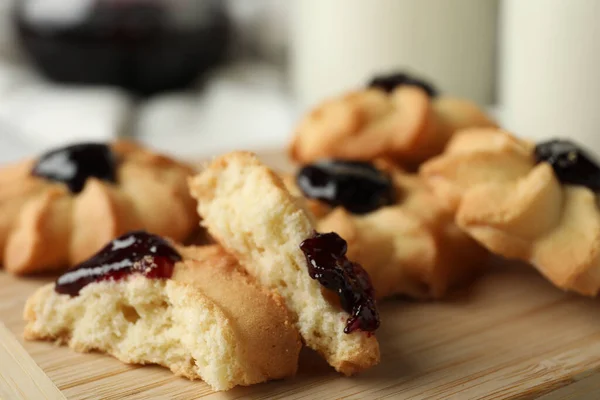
<point x="511" y="335"/>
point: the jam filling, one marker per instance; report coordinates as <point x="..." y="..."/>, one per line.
<point x="389" y="82"/>
<point x="571" y="164"/>
<point x="357" y="186"/>
<point x="73" y="165"/>
<point x="133" y="253"/>
<point x="327" y="263"/>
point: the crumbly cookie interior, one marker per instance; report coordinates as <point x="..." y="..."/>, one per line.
<point x="247" y="208"/>
<point x="141" y="321"/>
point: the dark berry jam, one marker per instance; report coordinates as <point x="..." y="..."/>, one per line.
<point x="73" y="165"/>
<point x="133" y="253"/>
<point x="357" y="186"/>
<point x="327" y="263"/>
<point x="571" y="164"/>
<point x="389" y="82"/>
<point x="144" y="46"/>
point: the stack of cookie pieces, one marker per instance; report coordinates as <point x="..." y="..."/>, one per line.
<point x="232" y="313"/>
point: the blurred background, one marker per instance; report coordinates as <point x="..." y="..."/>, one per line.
<point x="197" y="77"/>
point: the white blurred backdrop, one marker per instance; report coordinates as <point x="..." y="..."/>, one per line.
<point x="287" y="55"/>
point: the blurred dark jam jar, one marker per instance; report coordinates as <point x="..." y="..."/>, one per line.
<point x="144" y="46"/>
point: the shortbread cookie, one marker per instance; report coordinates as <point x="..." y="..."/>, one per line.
<point x="473" y="157"/>
<point x="521" y="201"/>
<point x="188" y="309"/>
<point x="61" y="208"/>
<point x="246" y="207"/>
<point x="396" y="117"/>
<point x="406" y="241"/>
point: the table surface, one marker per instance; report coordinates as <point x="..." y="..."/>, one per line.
<point x="511" y="335"/>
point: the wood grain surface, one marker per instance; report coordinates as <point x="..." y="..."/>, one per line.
<point x="20" y="377"/>
<point x="511" y="335"/>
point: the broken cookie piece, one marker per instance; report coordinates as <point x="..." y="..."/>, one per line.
<point x="190" y="309"/>
<point x="247" y="209"/>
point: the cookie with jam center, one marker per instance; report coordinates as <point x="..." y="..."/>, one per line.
<point x="407" y="242"/>
<point x="396" y="116"/>
<point x="62" y="207"/>
<point x="521" y="200"/>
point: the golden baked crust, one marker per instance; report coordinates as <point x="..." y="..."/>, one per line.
<point x="518" y="209"/>
<point x="246" y="207"/>
<point x="411" y="248"/>
<point x="44" y="227"/>
<point x="554" y="227"/>
<point x="210" y="322"/>
<point x="404" y="125"/>
<point x="268" y="338"/>
<point x="473" y="157"/>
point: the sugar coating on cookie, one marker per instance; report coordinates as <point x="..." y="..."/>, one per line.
<point x="52" y="216"/>
<point x="209" y="322"/>
<point x="246" y="207"/>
